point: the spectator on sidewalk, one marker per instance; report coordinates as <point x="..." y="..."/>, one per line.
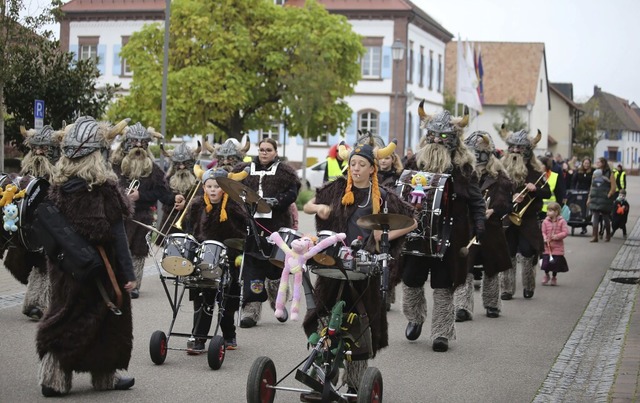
<point x="620" y="214"/>
<point x="554" y="231"/>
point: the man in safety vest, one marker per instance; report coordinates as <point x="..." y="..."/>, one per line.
<point x="555" y="184"/>
<point x="621" y="179"/>
<point x="336" y="166"/>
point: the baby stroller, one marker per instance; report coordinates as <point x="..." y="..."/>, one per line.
<point x="580" y="216"/>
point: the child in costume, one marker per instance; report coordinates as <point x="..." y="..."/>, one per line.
<point x="620" y="213"/>
<point x="554" y="231"/>
<point x="213" y="216"/>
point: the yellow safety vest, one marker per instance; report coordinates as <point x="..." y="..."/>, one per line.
<point x="552" y="181"/>
<point x="623" y="180"/>
<point x="334" y="169"/>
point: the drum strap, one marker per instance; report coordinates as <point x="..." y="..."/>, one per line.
<point x="115" y="308"/>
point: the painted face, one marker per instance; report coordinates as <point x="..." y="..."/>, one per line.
<point x="266" y="153"/>
<point x="213" y="190"/>
<point x="361" y="169"/>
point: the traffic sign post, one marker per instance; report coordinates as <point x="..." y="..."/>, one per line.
<point x="38" y="113"/>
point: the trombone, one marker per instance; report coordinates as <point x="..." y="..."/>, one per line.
<point x="516" y="218"/>
<point x="178" y="223"/>
<point x="133" y="185"/>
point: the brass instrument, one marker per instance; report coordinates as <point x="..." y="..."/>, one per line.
<point x="133" y="185"/>
<point x="178" y="223"/>
<point x="516" y="218"/>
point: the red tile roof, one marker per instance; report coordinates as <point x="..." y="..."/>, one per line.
<point x="75" y="6"/>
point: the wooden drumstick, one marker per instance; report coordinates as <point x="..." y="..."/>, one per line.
<point x="464" y="251"/>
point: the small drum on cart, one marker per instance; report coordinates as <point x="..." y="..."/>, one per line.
<point x="212" y="257"/>
<point x="350" y="266"/>
<point x="288" y="235"/>
<point x="331" y="255"/>
<point x="179" y="255"/>
<point x="433" y="206"/>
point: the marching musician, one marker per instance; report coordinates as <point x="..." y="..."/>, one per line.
<point x="181" y="180"/>
<point x="442" y="151"/>
<point x="337" y="206"/>
<point x="214" y="216"/>
<point x="229" y="153"/>
<point x="79" y="332"/>
<point x="29" y="267"/>
<point x="525" y="239"/>
<point x="493" y="253"/>
<point x="278" y="183"/>
<point x="133" y="161"/>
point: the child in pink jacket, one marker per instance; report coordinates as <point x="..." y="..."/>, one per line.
<point x="554" y="231"/>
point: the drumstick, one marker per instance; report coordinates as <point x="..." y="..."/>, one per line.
<point x="149" y="227"/>
<point x="464" y="251"/>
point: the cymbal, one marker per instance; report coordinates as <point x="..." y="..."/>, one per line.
<point x="149" y="227"/>
<point x="384" y="221"/>
<point x="235" y="243"/>
<point x="237" y="191"/>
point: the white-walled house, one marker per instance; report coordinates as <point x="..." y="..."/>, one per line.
<point x="513" y="71"/>
<point x="385" y="100"/>
<point x="618" y="129"/>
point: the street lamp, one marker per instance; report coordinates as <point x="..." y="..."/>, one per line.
<point x="397" y="53"/>
<point x="529" y="109"/>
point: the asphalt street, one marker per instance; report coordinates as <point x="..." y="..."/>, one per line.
<point x="509" y="359"/>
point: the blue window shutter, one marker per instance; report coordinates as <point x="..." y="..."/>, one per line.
<point x="76" y="55"/>
<point x="299" y="140"/>
<point x="253" y="136"/>
<point x="383" y="130"/>
<point x="386" y="62"/>
<point x="606" y="155"/>
<point x="281" y="134"/>
<point x="619" y="156"/>
<point x="102" y="56"/>
<point x="116" y="60"/>
<point x="351" y="130"/>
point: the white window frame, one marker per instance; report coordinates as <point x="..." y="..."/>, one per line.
<point x="369" y="120"/>
<point x="371" y="62"/>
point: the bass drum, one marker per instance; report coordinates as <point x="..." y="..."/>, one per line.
<point x="23" y="211"/>
<point x="433" y="215"/>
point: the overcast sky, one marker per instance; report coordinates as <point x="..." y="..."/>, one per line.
<point x="587" y="42"/>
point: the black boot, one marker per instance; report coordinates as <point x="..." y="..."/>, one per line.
<point x="441" y="344"/>
<point x="413" y="330"/>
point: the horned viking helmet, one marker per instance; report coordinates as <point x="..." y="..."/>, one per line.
<point x="46" y="139"/>
<point x="520" y="141"/>
<point x="481" y="144"/>
<point x="87" y="135"/>
<point x="442" y="127"/>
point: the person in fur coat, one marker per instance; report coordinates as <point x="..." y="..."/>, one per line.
<point x="337" y="206"/>
<point x="29" y="267"/>
<point x="525" y="240"/>
<point x="493" y="254"/>
<point x="214" y="216"/>
<point x="131" y="161"/>
<point x="442" y="151"/>
<point x="278" y="183"/>
<point x="79" y="333"/>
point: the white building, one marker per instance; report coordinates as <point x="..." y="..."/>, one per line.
<point x="385" y="100"/>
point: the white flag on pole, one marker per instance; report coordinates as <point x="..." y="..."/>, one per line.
<point x="467" y="81"/>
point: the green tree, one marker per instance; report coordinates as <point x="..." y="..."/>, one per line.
<point x="449" y="103"/>
<point x="586" y="137"/>
<point x="228" y="64"/>
<point x="511" y="118"/>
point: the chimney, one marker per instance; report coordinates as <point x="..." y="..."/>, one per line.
<point x="596" y="90"/>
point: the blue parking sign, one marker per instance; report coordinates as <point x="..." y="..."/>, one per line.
<point x="38" y="109"/>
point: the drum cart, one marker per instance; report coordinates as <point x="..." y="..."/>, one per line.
<point x="191" y="272"/>
<point x="338" y="340"/>
<point x="580" y="216"/>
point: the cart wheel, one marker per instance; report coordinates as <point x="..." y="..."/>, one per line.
<point x="370" y="389"/>
<point x="158" y="347"/>
<point x="216" y="352"/>
<point x="261" y="374"/>
<point x="573" y="229"/>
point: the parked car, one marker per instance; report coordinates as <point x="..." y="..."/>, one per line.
<point x="314" y="174"/>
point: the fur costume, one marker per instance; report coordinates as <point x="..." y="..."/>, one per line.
<point x="296" y="257"/>
<point x="326" y="289"/>
<point x="78" y="329"/>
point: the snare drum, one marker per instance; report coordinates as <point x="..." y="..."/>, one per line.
<point x="212" y="255"/>
<point x="330" y="255"/>
<point x="288" y="236"/>
<point x="179" y="255"/>
<point x="431" y="238"/>
<point x="357" y="267"/>
<point x="36" y="191"/>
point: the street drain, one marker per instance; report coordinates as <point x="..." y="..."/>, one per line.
<point x="626" y="280"/>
